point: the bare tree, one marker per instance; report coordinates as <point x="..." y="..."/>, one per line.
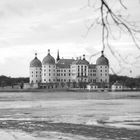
<point x="110" y="19"/>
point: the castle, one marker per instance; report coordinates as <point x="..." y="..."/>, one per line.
<point x="69" y="70"/>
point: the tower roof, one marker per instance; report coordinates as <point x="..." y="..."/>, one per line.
<point x="58" y="58"/>
<point x="48" y="59"/>
<point x="102" y="60"/>
<point x="35" y="62"/>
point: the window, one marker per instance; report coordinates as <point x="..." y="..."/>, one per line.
<point x="49" y="74"/>
<point x="44" y="79"/>
<point x="61" y="74"/>
<point x="49" y="66"/>
<point x="44" y="74"/>
<point x="64" y="74"/>
<point x="49" y="70"/>
<point x="64" y="70"/>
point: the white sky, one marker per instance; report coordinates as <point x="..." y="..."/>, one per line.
<point x="29" y="26"/>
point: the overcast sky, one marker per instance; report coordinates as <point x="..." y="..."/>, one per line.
<point x="29" y="26"/>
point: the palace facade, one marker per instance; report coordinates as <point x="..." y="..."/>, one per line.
<point x="69" y="70"/>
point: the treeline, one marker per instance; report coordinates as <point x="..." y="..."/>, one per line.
<point x="126" y="81"/>
<point x="9" y="81"/>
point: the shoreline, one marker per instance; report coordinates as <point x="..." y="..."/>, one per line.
<point x="62" y="90"/>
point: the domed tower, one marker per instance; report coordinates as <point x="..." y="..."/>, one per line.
<point x="48" y="69"/>
<point x="102" y="70"/>
<point x="35" y="70"/>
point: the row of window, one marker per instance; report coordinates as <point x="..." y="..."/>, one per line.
<point x="50" y="80"/>
<point x="63" y="80"/>
<point x="37" y="81"/>
<point x="101" y="80"/>
<point x="49" y="70"/>
<point x="36" y="72"/>
<point x="105" y="67"/>
<point x="104" y="74"/>
<point x="73" y="74"/>
<point x="49" y="66"/>
<point x="58" y="80"/>
<point x="102" y="70"/>
<point x="63" y="74"/>
<point x="37" y="75"/>
<point x="62" y="70"/>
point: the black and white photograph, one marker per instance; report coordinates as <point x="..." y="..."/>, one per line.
<point x="69" y="69"/>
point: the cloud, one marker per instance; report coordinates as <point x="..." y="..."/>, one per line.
<point x="28" y="26"/>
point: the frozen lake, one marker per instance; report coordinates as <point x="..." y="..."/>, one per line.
<point x="69" y="116"/>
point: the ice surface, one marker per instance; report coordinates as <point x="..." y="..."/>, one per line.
<point x="72" y="108"/>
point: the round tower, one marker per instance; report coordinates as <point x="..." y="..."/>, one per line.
<point x="102" y="69"/>
<point x="35" y="70"/>
<point x="48" y="69"/>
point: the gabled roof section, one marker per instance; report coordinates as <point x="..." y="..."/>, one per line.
<point x="117" y="83"/>
<point x="64" y="63"/>
<point x="92" y="66"/>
